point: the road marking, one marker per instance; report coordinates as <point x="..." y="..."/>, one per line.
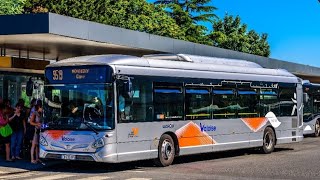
<point x="139" y="179"/>
<point x="95" y="178"/>
<point x="53" y="177"/>
<point x="20" y="175"/>
<point x="138" y="171"/>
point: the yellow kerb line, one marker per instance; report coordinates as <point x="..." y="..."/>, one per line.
<point x="197" y="115"/>
<point x="246" y="113"/>
<point x="229" y="114"/>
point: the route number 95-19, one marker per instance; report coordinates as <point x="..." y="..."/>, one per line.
<point x="57" y="74"/>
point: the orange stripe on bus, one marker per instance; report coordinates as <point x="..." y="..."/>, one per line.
<point x="191" y="135"/>
<point x="255" y="123"/>
<point x="56" y="134"/>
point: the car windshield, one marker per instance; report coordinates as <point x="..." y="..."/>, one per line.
<point x="79" y="106"/>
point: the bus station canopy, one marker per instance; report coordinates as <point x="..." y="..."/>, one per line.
<point x="54" y="37"/>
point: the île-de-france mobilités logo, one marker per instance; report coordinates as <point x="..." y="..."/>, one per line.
<point x="134" y="132"/>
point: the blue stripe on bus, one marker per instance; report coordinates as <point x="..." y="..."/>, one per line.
<point x="222" y="91"/>
<point x="246" y="92"/>
<point x="167" y="91"/>
<point x="197" y="91"/>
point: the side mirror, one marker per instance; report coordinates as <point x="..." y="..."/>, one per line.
<point x="126" y="84"/>
<point x="305" y="97"/>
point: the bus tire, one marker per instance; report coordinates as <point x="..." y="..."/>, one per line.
<point x="317" y="128"/>
<point x="269" y="140"/>
<point x="166" y="151"/>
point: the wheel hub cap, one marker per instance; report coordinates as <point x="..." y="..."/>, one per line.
<point x="166" y="149"/>
<point x="268" y="140"/>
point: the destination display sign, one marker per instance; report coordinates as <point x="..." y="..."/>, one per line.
<point x="78" y="74"/>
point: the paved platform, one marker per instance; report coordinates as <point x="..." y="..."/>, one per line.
<point x="21" y="166"/>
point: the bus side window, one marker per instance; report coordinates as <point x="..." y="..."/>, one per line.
<point x="137" y="107"/>
<point x="141" y="108"/>
<point x="124" y="102"/>
<point x="168" y="101"/>
<point x="198" y="103"/>
<point x="248" y="102"/>
<point x="268" y="102"/>
<point x="288" y="98"/>
<point x="224" y="102"/>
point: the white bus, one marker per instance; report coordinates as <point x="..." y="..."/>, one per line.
<point x="118" y="108"/>
<point x="311" y="110"/>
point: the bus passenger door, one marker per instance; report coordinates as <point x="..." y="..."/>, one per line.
<point x="132" y="130"/>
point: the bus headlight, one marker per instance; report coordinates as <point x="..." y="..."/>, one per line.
<point x="43" y="141"/>
<point x="98" y="143"/>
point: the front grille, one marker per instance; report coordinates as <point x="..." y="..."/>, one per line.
<point x="78" y="157"/>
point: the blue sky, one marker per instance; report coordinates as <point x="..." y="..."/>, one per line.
<point x="293" y="26"/>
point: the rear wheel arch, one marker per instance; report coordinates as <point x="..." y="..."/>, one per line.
<point x="275" y="134"/>
<point x="269" y="140"/>
<point x="175" y="140"/>
<point x="166" y="150"/>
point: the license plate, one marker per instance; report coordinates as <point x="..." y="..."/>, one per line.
<point x="68" y="156"/>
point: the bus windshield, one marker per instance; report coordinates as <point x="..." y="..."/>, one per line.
<point x="79" y="107"/>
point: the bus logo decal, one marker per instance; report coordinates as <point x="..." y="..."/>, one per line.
<point x="191" y="135"/>
<point x="134" y="132"/>
<point x="168" y="126"/>
<point x="273" y="119"/>
<point x="204" y="127"/>
<point x="64" y="138"/>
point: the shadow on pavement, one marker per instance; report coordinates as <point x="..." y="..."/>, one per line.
<point x="20" y="166"/>
<point x="282" y="149"/>
<point x="94" y="167"/>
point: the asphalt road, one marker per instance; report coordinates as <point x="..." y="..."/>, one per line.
<point x="293" y="161"/>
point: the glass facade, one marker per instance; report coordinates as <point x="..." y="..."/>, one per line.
<point x="13" y="86"/>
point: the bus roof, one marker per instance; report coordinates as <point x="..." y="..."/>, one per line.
<point x="203" y="59"/>
<point x="196" y="63"/>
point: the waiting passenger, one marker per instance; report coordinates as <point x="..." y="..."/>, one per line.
<point x="18" y="125"/>
<point x="36" y="120"/>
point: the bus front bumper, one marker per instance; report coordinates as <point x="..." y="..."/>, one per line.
<point x="98" y="156"/>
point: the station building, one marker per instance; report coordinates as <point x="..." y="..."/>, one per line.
<point x="29" y="42"/>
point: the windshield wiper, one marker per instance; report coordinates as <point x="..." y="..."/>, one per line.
<point x="90" y="126"/>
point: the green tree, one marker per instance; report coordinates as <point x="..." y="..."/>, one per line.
<point x="131" y="14"/>
<point x="188" y="14"/>
<point x="11" y="6"/>
<point x="230" y="33"/>
<point x="199" y="10"/>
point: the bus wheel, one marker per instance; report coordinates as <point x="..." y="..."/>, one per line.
<point x="269" y="140"/>
<point x="317" y="129"/>
<point x="166" y="151"/>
